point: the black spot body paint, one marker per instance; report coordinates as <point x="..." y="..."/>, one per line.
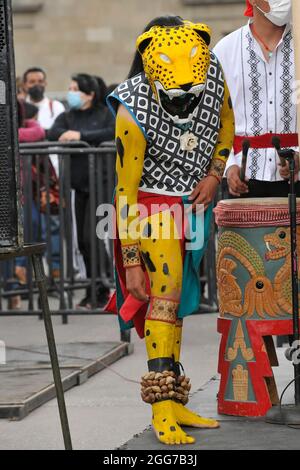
<point x="224" y="153"/>
<point x="120" y="150"/>
<point x="126" y="132"/>
<point x="148" y="333"/>
<point x="229" y="102"/>
<point x="149" y="263"/>
<point x="166" y="269"/>
<point x="172" y="428"/>
<point x="163" y="288"/>
<point x="124" y="212"/>
<point x="147" y="230"/>
<point x="154" y="345"/>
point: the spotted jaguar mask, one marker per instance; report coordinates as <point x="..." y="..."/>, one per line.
<point x="176" y="61"/>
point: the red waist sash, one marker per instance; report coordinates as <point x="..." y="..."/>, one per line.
<point x="264" y="141"/>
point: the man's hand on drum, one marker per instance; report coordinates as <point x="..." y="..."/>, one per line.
<point x="204" y="193"/>
<point x="235" y="185"/>
<point x="284" y="170"/>
<point x="136" y="283"/>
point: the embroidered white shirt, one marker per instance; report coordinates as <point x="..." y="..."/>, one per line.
<point x="261" y="93"/>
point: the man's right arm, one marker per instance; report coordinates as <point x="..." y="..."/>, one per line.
<point x="131" y="146"/>
<point x="232" y="172"/>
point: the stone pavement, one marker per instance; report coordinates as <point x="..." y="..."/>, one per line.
<point x="106" y="411"/>
<point x="235" y="433"/>
<point x="27" y="378"/>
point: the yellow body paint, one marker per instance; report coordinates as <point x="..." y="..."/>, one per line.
<point x="131" y="145"/>
<point x="159" y="343"/>
<point x="162" y="256"/>
<point x="225" y="139"/>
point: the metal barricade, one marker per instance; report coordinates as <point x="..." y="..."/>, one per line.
<point x="41" y="220"/>
<point x="38" y="216"/>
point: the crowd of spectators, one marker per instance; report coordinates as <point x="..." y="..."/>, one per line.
<point x="83" y="117"/>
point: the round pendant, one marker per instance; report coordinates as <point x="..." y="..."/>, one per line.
<point x="270" y="54"/>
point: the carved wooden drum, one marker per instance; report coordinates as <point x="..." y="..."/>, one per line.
<point x="255" y="299"/>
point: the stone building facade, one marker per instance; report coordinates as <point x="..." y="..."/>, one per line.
<point x="98" y="36"/>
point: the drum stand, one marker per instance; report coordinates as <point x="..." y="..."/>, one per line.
<point x="35" y="252"/>
<point x="290" y="414"/>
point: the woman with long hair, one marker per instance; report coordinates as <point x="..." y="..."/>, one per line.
<point x="90" y="121"/>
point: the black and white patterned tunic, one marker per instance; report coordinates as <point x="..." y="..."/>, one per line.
<point x="261" y="93"/>
<point x="167" y="168"/>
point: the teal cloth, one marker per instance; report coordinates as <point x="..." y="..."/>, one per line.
<point x="191" y="288"/>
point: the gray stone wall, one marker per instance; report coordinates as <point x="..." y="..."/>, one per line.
<point x="98" y="36"/>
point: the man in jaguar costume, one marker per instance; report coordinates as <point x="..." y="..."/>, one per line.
<point x="174" y="132"/>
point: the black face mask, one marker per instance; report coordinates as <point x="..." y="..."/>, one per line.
<point x="36" y="93"/>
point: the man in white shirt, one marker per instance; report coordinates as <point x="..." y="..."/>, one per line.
<point x="258" y="63"/>
<point x="35" y="83"/>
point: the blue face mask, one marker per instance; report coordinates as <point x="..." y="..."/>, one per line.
<point x="74" y="100"/>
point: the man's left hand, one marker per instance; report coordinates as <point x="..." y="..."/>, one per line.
<point x="204" y="193"/>
<point x="284" y="170"/>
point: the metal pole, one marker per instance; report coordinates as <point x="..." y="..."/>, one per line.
<point x="296" y="38"/>
<point x="294" y="273"/>
<point x="41" y="282"/>
<point x="69" y="229"/>
<point x="92" y="228"/>
<point x="62" y="303"/>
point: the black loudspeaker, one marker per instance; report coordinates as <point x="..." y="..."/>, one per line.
<point x="11" y="230"/>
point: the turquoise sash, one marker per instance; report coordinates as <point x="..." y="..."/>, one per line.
<point x="191" y="289"/>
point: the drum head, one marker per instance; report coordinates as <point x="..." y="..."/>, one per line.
<point x="256" y="212"/>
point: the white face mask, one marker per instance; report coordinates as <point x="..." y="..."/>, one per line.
<point x="280" y="12"/>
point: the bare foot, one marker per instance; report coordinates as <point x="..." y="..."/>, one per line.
<point x="166" y="427"/>
<point x="186" y="417"/>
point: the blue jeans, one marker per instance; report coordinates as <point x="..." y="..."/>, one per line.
<point x="54" y="230"/>
<point x="39" y="235"/>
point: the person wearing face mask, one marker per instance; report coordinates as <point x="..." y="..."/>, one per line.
<point x="258" y="63"/>
<point x="34" y="85"/>
<point x="88" y="120"/>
